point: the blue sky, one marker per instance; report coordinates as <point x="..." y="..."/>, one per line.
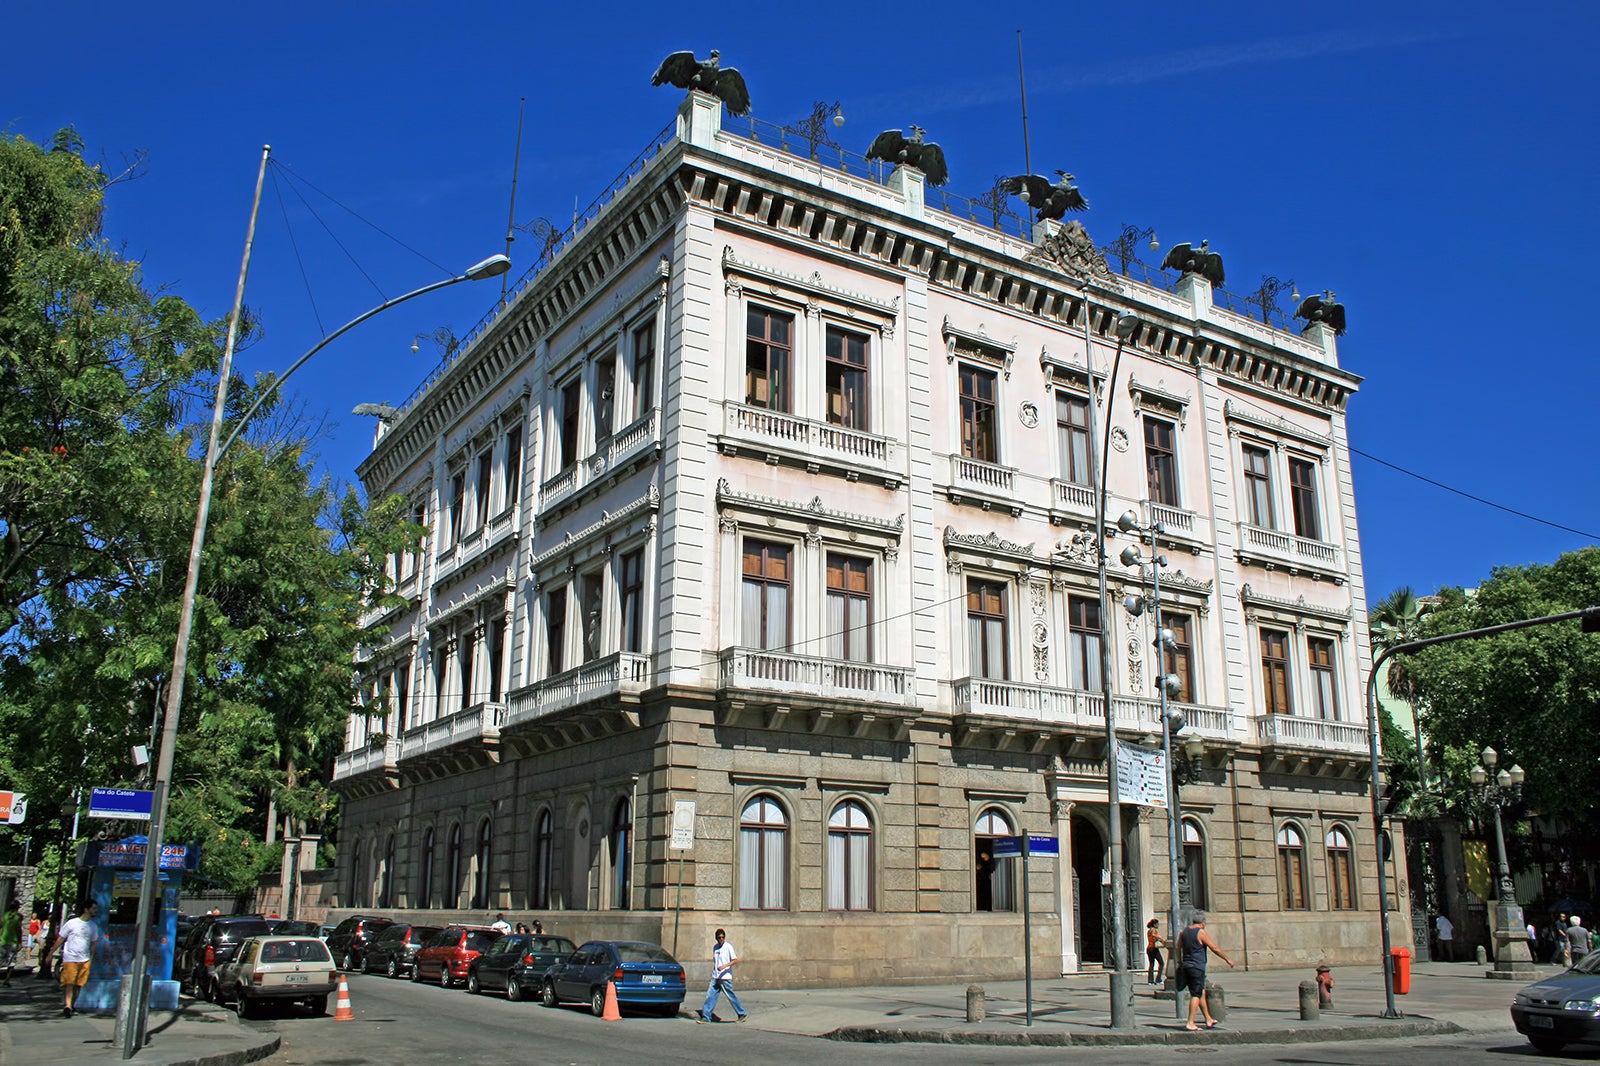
<point x="1431" y="163"/>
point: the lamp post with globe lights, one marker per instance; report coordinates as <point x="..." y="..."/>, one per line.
<point x="1500" y="789"/>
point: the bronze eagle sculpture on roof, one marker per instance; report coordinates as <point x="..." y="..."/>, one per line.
<point x="1050" y="199"/>
<point x="892" y="146"/>
<point x="686" y="72"/>
<point x="1206" y="263"/>
<point x="1323" y="309"/>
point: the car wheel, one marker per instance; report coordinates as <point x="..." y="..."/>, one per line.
<point x="393" y="969"/>
<point x="472" y="983"/>
<point x="597" y="1002"/>
<point x="318" y="1005"/>
<point x="1546" y="1045"/>
<point x="416" y="972"/>
<point x="243" y="1005"/>
<point x="547" y="995"/>
<point x="444" y="976"/>
<point x="513" y="988"/>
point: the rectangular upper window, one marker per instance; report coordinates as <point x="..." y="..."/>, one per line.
<point x="978" y="437"/>
<point x="765" y="595"/>
<point x="1072" y="432"/>
<point x="986" y="629"/>
<point x="630" y="587"/>
<point x="1083" y="619"/>
<point x="1161" y="461"/>
<point x="848" y="625"/>
<point x="513" y="472"/>
<point x="1303" y="495"/>
<point x="1324" y="677"/>
<point x="644" y="369"/>
<point x="1277" y="695"/>
<point x="571" y="395"/>
<point x="1180" y="656"/>
<point x="1258" y="486"/>
<point x="768" y="350"/>
<point x="847" y="379"/>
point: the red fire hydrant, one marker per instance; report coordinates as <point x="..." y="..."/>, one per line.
<point x="1324" y="986"/>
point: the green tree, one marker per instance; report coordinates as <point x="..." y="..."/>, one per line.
<point x="1533" y="694"/>
<point x="105" y="392"/>
<point x="1398" y="619"/>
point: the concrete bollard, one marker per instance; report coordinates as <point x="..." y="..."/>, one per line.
<point x="1483" y="956"/>
<point x="1310" y="1009"/>
<point x="1217" y="1000"/>
<point x="976" y="1011"/>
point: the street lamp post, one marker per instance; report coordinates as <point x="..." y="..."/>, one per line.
<point x="131" y="1022"/>
<point x="1512" y="957"/>
<point x="1171" y="721"/>
<point x="1121" y="982"/>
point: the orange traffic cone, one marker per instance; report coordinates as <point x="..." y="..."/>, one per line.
<point x="341" y="1007"/>
<point x="611" y="1013"/>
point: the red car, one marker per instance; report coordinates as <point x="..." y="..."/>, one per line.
<point x="448" y="953"/>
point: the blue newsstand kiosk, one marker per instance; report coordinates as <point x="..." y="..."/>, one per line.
<point x="116" y="872"/>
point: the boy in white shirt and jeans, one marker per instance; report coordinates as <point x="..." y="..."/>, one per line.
<point x="723" y="958"/>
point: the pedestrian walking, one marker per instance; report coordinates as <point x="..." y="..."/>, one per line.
<point x="1578" y="942"/>
<point x="723" y="958"/>
<point x="1191" y="951"/>
<point x="76" y="943"/>
<point x="31" y="941"/>
<point x="10" y="938"/>
<point x="1446" y="932"/>
<point x="1152" y="952"/>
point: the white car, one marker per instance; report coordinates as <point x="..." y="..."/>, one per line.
<point x="282" y="968"/>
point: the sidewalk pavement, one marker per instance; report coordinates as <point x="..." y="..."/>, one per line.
<point x="1263" y="1008"/>
<point x="32" y="1031"/>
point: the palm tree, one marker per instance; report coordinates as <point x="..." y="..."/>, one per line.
<point x="1396" y="620"/>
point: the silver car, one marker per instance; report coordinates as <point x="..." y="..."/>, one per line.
<point x="1561" y="1010"/>
<point x="281" y="968"/>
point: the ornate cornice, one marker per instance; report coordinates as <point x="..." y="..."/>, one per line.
<point x="811" y="514"/>
<point x="1259" y="605"/>
<point x="596" y="534"/>
<point x="1068" y="249"/>
<point x="1278" y="427"/>
<point x="883" y="312"/>
<point x="976" y="344"/>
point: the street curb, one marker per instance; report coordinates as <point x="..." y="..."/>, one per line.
<point x="227" y="1058"/>
<point x="1180" y="1038"/>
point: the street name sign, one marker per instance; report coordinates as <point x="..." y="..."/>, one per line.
<point x="120" y="803"/>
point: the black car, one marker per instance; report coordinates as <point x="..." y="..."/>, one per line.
<point x="527" y="973"/>
<point x="351" y="938"/>
<point x="489" y="970"/>
<point x="292" y="927"/>
<point x="395" y="950"/>
<point x="212" y="941"/>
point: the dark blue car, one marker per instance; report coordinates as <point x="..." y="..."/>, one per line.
<point x="645" y="975"/>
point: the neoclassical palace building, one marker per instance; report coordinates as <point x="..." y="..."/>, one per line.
<point x="770" y="493"/>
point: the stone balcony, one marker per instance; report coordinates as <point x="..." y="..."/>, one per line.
<point x="778" y="437"/>
<point x="1051" y="708"/>
<point x="369" y="769"/>
<point x="978" y="483"/>
<point x="610" y="680"/>
<point x="455" y="742"/>
<point x="770" y="688"/>
<point x="1274" y="549"/>
<point x="1297" y="744"/>
<point x="617" y="450"/>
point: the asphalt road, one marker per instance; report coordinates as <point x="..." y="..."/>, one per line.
<point x="401" y="1022"/>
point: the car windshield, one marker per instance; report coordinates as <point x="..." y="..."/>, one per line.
<point x="295" y="951"/>
<point x="241" y="930"/>
<point x="553" y="943"/>
<point x="480" y="941"/>
<point x="1590" y="963"/>
<point x="643" y="953"/>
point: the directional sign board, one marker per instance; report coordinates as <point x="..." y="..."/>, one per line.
<point x="120" y="803"/>
<point x="1011" y="847"/>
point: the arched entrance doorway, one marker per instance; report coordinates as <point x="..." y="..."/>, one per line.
<point x="1088" y="870"/>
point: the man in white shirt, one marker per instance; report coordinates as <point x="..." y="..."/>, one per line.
<point x="1446" y="933"/>
<point x="500" y="925"/>
<point x="76" y="942"/>
<point x="723" y="958"/>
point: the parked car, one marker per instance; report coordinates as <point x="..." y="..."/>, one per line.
<point x="292" y="927"/>
<point x="1561" y="1010"/>
<point x="527" y="973"/>
<point x="350" y="938"/>
<point x="395" y="949"/>
<point x="278" y="968"/>
<point x="645" y="975"/>
<point x="447" y="954"/>
<point x="211" y="943"/>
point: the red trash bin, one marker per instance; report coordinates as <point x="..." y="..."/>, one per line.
<point x="1401" y="959"/>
